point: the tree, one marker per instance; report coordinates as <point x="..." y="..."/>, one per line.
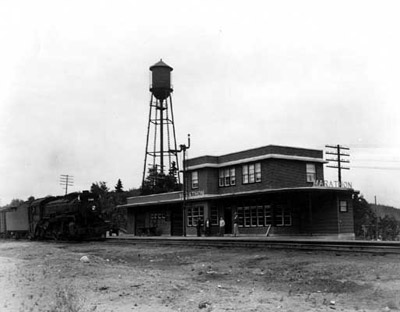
<point x="16" y="202"/>
<point x="388" y="228"/>
<point x="157" y="182"/>
<point x="31" y="198"/>
<point x="99" y="188"/>
<point x="132" y="192"/>
<point x="109" y="200"/>
<point x="364" y="219"/>
<point x="119" y="188"/>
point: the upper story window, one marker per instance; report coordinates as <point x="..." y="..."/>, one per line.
<point x="251" y="173"/>
<point x="195" y="179"/>
<point x="227" y="176"/>
<point x="311" y="172"/>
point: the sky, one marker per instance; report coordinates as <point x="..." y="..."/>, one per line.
<point x="74" y="86"/>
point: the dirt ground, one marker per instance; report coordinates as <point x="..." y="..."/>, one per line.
<point x="49" y="276"/>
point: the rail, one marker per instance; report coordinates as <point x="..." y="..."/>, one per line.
<point x="246" y="242"/>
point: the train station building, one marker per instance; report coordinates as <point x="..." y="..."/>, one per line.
<point x="274" y="190"/>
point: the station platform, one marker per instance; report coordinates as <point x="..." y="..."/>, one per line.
<point x="307" y="243"/>
<point x="123" y="235"/>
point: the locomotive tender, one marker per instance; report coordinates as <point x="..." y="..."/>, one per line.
<point x="75" y="216"/>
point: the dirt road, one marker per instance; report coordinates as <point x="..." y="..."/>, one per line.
<point x="43" y="276"/>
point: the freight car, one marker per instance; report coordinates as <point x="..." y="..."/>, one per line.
<point x="3" y="222"/>
<point x="14" y="221"/>
<point x="76" y="216"/>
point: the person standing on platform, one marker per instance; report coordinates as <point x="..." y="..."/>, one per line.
<point x="221" y="226"/>
<point x="236" y="225"/>
<point x="199" y="225"/>
<point x="208" y="227"/>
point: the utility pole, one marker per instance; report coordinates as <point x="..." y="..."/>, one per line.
<point x="66" y="180"/>
<point x="183" y="148"/>
<point x="376" y="220"/>
<point x="337" y="151"/>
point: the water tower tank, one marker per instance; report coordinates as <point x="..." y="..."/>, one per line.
<point x="161" y="80"/>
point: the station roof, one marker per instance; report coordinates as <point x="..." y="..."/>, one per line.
<point x="257" y="154"/>
<point x="177" y="197"/>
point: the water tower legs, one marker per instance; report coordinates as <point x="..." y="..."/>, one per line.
<point x="162" y="155"/>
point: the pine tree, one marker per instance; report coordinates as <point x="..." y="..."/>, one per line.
<point x="119" y="188"/>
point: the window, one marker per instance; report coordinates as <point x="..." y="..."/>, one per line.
<point x="246" y="216"/>
<point x="195" y="180"/>
<point x="311" y="172"/>
<point x="267" y="215"/>
<point x="221" y="177"/>
<point x="157" y="218"/>
<point x="258" y="172"/>
<point x="214" y="215"/>
<point x="260" y="216"/>
<point x="251" y="173"/>
<point x="227" y="176"/>
<point x="343" y="206"/>
<point x="245" y="172"/>
<point x="254" y="216"/>
<point x="233" y="176"/>
<point x="240" y="212"/>
<point x="283" y="216"/>
<point x="194" y="214"/>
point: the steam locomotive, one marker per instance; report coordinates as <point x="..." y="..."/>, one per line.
<point x="75" y="216"/>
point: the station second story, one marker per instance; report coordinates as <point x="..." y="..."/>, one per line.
<point x="267" y="167"/>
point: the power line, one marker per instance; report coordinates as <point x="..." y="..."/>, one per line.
<point x="376" y="160"/>
<point x="377" y="168"/>
<point x="373" y="146"/>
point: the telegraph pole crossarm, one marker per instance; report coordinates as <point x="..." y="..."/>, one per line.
<point x="66" y="180"/>
<point x="338" y="160"/>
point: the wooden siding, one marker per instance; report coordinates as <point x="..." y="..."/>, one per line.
<point x="324" y="214"/>
<point x="346" y="218"/>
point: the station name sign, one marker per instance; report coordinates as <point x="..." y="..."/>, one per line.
<point x="326" y="183"/>
<point x="194" y="194"/>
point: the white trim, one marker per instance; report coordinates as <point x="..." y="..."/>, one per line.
<point x="256" y="158"/>
<point x="155" y="195"/>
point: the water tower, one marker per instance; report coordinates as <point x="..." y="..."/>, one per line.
<point x="161" y="149"/>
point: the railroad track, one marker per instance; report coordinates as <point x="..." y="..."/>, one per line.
<point x="242" y="242"/>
